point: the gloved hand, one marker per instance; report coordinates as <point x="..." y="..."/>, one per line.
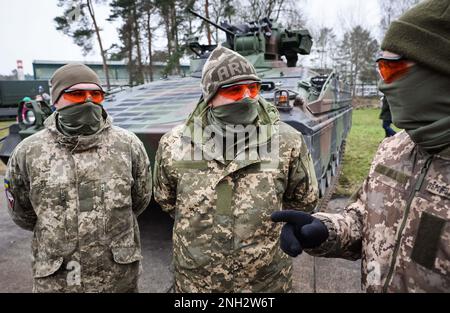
<point x="301" y="231"/>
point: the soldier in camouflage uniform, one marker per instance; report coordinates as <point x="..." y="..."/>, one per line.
<point x="223" y="238"/>
<point x="398" y="222"/>
<point x="79" y="185"/>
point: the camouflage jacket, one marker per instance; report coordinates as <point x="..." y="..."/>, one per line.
<point x="399" y="221"/>
<point x="81" y="198"/>
<point x="223" y="238"/>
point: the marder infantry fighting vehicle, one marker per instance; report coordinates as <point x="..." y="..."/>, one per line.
<point x="319" y="106"/>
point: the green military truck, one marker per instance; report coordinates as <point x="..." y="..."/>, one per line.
<point x="12" y="91"/>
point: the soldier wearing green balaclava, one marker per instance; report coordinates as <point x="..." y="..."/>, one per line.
<point x="79" y="185"/>
<point x="77" y="115"/>
<point x="420" y="98"/>
<point x="223" y="238"/>
<point x="397" y="223"/>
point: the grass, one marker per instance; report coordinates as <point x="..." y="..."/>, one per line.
<point x="365" y="136"/>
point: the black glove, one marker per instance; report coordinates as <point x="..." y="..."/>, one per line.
<point x="301" y="231"/>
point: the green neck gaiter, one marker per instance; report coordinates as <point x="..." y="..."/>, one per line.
<point x="242" y="112"/>
<point x="81" y="119"/>
<point x="229" y="120"/>
<point x="420" y="104"/>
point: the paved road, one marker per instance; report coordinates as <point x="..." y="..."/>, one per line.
<point x="310" y="274"/>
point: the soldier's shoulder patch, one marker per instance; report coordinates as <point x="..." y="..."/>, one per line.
<point x="9" y="195"/>
<point x="438" y="188"/>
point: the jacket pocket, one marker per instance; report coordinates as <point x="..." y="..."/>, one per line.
<point x="87" y="195"/>
<point x="126" y="255"/>
<point x="46" y="267"/>
<point x="47" y="195"/>
<point x="193" y="255"/>
<point x="115" y="195"/>
<point x="386" y="195"/>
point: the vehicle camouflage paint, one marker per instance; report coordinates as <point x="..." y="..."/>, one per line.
<point x="319" y="106"/>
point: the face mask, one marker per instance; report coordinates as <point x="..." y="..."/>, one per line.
<point x="81" y="119"/>
<point x="420" y="104"/>
<point x="242" y="112"/>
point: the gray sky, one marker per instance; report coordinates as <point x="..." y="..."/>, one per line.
<point x="27" y="30"/>
<point x="342" y="15"/>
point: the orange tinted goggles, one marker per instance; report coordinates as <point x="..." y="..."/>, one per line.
<point x="391" y="70"/>
<point x="238" y="92"/>
<point x="97" y="96"/>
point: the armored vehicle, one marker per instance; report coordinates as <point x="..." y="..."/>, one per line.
<point x="319" y="106"/>
<point x="12" y="91"/>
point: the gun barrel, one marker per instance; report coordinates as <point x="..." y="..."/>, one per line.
<point x="212" y="23"/>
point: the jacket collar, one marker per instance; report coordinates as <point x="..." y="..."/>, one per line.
<point x="76" y="143"/>
<point x="268" y="115"/>
<point x="445" y="154"/>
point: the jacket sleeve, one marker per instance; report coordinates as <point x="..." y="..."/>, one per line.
<point x="141" y="191"/>
<point x="165" y="182"/>
<point x="17" y="191"/>
<point x="302" y="191"/>
<point x="345" y="230"/>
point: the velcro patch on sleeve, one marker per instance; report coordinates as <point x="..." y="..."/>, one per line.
<point x="427" y="240"/>
<point x="9" y="195"/>
<point x="392" y="173"/>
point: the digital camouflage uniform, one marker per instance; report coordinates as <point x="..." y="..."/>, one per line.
<point x="81" y="198"/>
<point x="223" y="238"/>
<point x="398" y="222"/>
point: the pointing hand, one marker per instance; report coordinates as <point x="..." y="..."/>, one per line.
<point x="301" y="231"/>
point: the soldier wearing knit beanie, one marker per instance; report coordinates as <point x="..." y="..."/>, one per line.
<point x="423" y="35"/>
<point x="415" y="66"/>
<point x="397" y="222"/>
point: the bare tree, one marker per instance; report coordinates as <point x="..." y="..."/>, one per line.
<point x="325" y="45"/>
<point x="99" y="39"/>
<point x="391" y="10"/>
<point x="254" y="10"/>
<point x="291" y="13"/>
<point x="208" y="28"/>
<point x="136" y="19"/>
<point x="149" y="12"/>
<point x="221" y="10"/>
<point x="79" y="22"/>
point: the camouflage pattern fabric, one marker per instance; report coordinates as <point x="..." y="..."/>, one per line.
<point x="398" y="222"/>
<point x="81" y="198"/>
<point x="225" y="66"/>
<point x="223" y="238"/>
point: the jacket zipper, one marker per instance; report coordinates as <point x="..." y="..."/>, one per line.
<point x="102" y="191"/>
<point x="417" y="187"/>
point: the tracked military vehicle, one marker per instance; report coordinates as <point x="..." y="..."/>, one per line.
<point x="319" y="106"/>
